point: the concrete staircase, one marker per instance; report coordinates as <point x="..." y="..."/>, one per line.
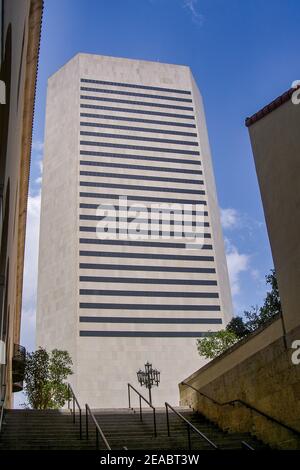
<point x="55" y="430"/>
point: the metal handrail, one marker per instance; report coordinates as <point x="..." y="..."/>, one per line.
<point x="2" y="408"/>
<point x="189" y="427"/>
<point x="247" y="405"/>
<point x="140" y="401"/>
<point x="98" y="429"/>
<point x="246" y="445"/>
<point x="74" y="401"/>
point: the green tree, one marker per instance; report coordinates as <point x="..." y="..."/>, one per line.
<point x="213" y="345"/>
<point x="238" y="327"/>
<point x="45" y="374"/>
<point x="256" y="317"/>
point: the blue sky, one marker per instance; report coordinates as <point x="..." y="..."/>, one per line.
<point x="242" y="53"/>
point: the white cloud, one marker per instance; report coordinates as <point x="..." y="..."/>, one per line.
<point x="37" y="145"/>
<point x="191" y="5"/>
<point x="230" y="218"/>
<point x="237" y="263"/>
<point x="30" y="271"/>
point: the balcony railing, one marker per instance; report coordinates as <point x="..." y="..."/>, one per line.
<point x="18" y="367"/>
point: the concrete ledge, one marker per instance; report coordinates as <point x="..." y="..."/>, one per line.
<point x="257" y="371"/>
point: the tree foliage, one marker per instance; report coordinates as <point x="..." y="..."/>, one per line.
<point x="45" y="374"/>
<point x="212" y="346"/>
<point x="239" y="327"/>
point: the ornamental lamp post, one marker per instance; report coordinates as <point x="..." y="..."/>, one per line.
<point x="149" y="377"/>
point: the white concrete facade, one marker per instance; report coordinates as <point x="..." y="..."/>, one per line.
<point x="119" y="127"/>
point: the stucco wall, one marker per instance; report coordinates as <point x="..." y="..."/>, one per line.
<point x="275" y="142"/>
<point x="259" y="372"/>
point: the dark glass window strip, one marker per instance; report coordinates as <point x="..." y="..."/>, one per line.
<point x="147" y="293"/>
<point x="139" y="95"/>
<point x="138" y="147"/>
<point x="148" y="320"/>
<point x="83" y="205"/>
<point x="160" y="269"/>
<point x="137" y="111"/>
<point x="132" y="187"/>
<point x="140" y="177"/>
<point x="143" y="198"/>
<point x="173" y="233"/>
<point x="136" y="103"/>
<point x="130" y="85"/>
<point x="144" y="121"/>
<point x="134" y="280"/>
<point x="140" y="167"/>
<point x="144" y="334"/>
<point x="139" y="138"/>
<point x="162" y="256"/>
<point x="156" y="244"/>
<point x="119" y="306"/>
<point x="126" y="156"/>
<point x="188" y="223"/>
<point x="138" y="129"/>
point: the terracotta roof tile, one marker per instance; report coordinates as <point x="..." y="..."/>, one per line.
<point x="270" y="107"/>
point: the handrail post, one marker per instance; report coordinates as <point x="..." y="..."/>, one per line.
<point x="86" y="422"/>
<point x="80" y="424"/>
<point x="69" y="393"/>
<point x="140" y="408"/>
<point x="129" y="403"/>
<point x="73" y="409"/>
<point x="168" y="424"/>
<point x="189" y="437"/>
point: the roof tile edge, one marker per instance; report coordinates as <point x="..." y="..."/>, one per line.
<point x="270" y="107"/>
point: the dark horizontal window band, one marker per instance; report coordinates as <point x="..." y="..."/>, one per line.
<point x="141" y="87"/>
<point x="114" y="254"/>
<point x="137" y="129"/>
<point x="139" y="95"/>
<point x="147" y="320"/>
<point x="188" y="223"/>
<point x="136" y="293"/>
<point x="132" y="187"/>
<point x="157" y="232"/>
<point x="143" y="198"/>
<point x="84" y="205"/>
<point x="136" y="103"/>
<point x="139" y="157"/>
<point x="144" y="334"/>
<point x="137" y="111"/>
<point x="119" y="306"/>
<point x="160" y="269"/>
<point x="141" y="167"/>
<point x="143" y="121"/>
<point x="173" y="232"/>
<point x="96" y="241"/>
<point x="139" y="138"/>
<point x="134" y="280"/>
<point x="138" y="147"/>
<point x="139" y="177"/>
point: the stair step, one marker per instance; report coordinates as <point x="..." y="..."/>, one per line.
<point x="54" y="429"/>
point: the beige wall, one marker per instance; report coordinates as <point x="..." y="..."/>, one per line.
<point x="103" y="365"/>
<point x="21" y="28"/>
<point x="275" y="142"/>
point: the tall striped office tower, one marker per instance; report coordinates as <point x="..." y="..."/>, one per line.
<point x="115" y="289"/>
